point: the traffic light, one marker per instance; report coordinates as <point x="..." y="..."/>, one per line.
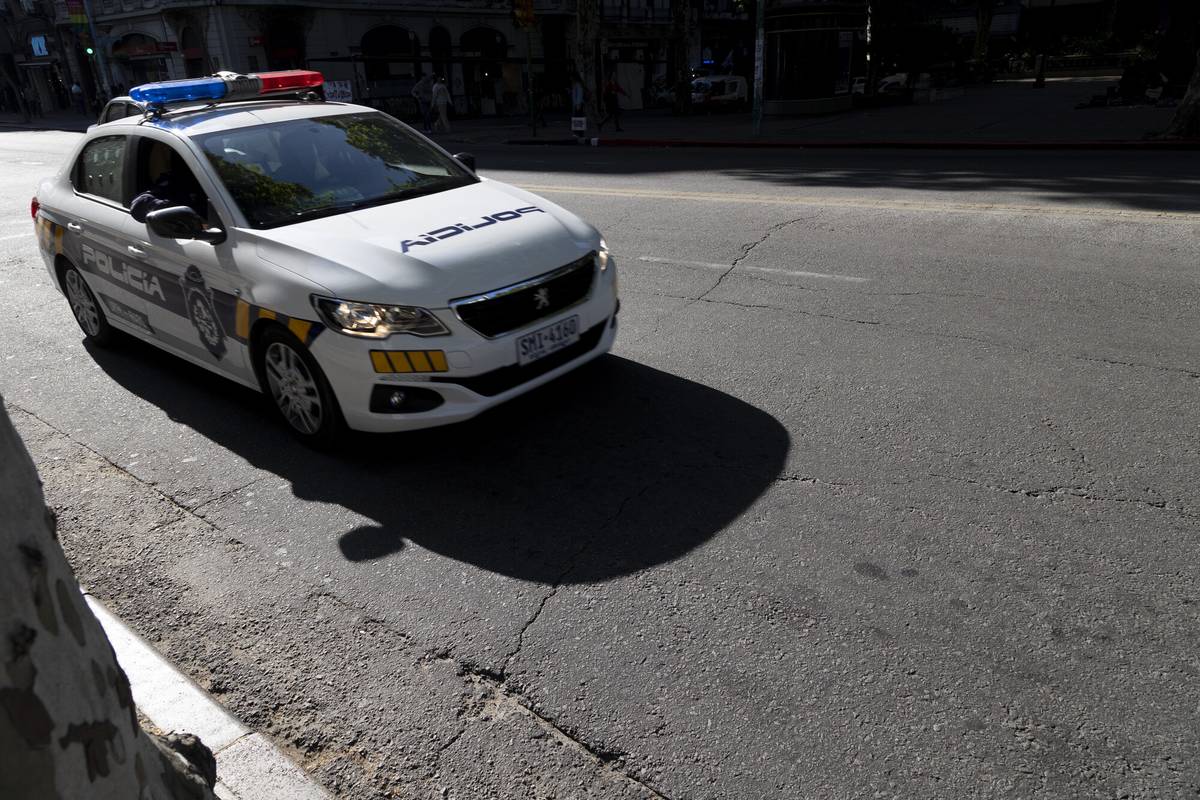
<point x="90" y="51"/>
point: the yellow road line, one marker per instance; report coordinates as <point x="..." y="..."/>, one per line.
<point x="937" y="207"/>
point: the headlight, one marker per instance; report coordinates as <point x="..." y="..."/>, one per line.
<point x="376" y="321"/>
<point x="602" y="256"/>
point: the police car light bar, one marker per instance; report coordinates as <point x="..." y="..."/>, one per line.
<point x="226" y="86"/>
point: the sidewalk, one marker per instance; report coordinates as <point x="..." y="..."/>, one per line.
<point x="53" y="121"/>
<point x="1003" y="114"/>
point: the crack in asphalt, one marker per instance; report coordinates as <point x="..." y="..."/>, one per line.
<point x="497" y="697"/>
<point x="574" y="561"/>
<point x="749" y="248"/>
<point x="224" y="495"/>
<point x="1079" y="492"/>
<point x="746" y="250"/>
<point x="813" y="481"/>
<point x="148" y="484"/>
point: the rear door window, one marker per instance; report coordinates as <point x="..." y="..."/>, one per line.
<point x="100" y="170"/>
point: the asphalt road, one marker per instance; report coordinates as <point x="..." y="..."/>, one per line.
<point x="889" y="489"/>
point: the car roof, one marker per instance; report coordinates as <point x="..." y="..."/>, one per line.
<point x="208" y="118"/>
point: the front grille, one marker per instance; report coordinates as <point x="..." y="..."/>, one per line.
<point x="497" y="312"/>
<point x="490" y="384"/>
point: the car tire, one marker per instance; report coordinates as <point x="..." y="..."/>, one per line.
<point x="297" y="389"/>
<point x="86" y="308"/>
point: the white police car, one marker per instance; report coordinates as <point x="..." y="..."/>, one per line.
<point x="323" y="253"/>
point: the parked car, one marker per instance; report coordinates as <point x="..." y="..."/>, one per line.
<point x="719" y="92"/>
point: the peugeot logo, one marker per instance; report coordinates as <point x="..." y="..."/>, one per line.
<point x="541" y="298"/>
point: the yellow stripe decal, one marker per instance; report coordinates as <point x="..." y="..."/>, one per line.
<point x="242" y="319"/>
<point x="265" y="313"/>
<point x="380" y="360"/>
<point x="438" y="359"/>
<point x="300" y="328"/>
<point x="420" y="362"/>
<point x="399" y="362"/>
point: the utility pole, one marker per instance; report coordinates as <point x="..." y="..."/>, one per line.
<point x="759" y="50"/>
<point x="529" y="74"/>
<point x="98" y="46"/>
<point x="524" y="16"/>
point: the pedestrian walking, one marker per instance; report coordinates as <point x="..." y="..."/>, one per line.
<point x="441" y="101"/>
<point x="423" y="93"/>
<point x="612" y="102"/>
<point x="578" y="96"/>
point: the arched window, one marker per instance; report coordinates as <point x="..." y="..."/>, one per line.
<point x="483" y="52"/>
<point x="193" y="52"/>
<point x="284" y="41"/>
<point x="439" y="51"/>
<point x="390" y="51"/>
<point x="133" y="45"/>
<point x="139" y="60"/>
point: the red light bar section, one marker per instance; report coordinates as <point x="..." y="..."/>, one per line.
<point x="288" y="80"/>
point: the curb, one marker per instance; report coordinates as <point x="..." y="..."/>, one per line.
<point x="249" y="767"/>
<point x="881" y="144"/>
<point x="22" y="126"/>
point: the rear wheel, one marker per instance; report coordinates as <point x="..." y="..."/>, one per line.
<point x="298" y="389"/>
<point x="86" y="308"/>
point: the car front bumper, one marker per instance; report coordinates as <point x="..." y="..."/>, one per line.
<point x="465" y="372"/>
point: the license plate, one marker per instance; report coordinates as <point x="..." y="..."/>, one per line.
<point x="547" y="340"/>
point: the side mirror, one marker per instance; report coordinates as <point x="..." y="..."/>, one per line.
<point x="466" y="159"/>
<point x="181" y="222"/>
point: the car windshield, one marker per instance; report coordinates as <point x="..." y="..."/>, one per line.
<point x="285" y="172"/>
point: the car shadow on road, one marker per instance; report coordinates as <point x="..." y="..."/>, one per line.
<point x="1153" y="181"/>
<point x="609" y="470"/>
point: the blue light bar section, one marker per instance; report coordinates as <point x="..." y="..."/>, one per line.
<point x="179" y="91"/>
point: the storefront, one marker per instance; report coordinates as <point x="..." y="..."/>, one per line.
<point x="138" y="58"/>
<point x="810" y="51"/>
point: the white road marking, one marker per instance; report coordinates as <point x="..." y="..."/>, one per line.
<point x="16" y="236"/>
<point x="747" y="268"/>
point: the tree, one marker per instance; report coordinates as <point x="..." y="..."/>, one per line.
<point x="681" y="23"/>
<point x="983" y="28"/>
<point x="1186" y="122"/>
<point x="68" y="726"/>
<point x="9" y="47"/>
<point x="587" y="16"/>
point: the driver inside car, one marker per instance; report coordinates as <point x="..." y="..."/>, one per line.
<point x="171" y="185"/>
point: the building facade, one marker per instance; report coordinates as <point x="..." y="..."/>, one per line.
<point x="813" y="49"/>
<point x="381" y="47"/>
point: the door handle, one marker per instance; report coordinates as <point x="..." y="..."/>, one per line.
<point x="134" y="251"/>
<point x="75" y="226"/>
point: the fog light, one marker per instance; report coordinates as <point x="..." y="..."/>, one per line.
<point x="407" y="400"/>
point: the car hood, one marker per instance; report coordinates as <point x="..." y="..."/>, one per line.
<point x="429" y="250"/>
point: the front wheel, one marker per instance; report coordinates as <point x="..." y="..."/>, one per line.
<point x="86" y="308"/>
<point x="298" y="389"/>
